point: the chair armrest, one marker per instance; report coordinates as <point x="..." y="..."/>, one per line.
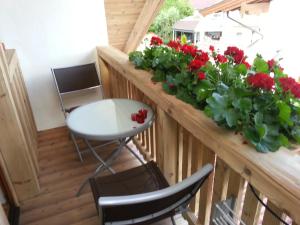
<point x="155" y="195"/>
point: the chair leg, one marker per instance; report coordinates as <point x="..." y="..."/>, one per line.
<point x="173" y="220"/>
<point x="76" y="147"/>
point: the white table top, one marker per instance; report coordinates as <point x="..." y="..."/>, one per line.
<point x="108" y="119"/>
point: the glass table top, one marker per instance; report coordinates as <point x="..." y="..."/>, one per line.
<point x="108" y="119"/>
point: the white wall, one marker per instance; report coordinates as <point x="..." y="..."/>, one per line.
<point x="52" y="33"/>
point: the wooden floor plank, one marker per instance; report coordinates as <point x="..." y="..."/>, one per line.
<point x="61" y="174"/>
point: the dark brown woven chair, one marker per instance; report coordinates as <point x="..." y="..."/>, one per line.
<point x="142" y="195"/>
<point x="75" y="79"/>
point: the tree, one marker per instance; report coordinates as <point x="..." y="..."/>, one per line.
<point x="171" y="12"/>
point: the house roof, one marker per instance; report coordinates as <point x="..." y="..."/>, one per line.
<point x="186" y="25"/>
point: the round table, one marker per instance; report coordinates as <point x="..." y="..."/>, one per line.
<point x="107" y="120"/>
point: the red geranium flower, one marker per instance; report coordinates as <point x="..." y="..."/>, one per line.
<point x="271" y="63"/>
<point x="221" y="58"/>
<point x="196" y="64"/>
<point x="201" y="76"/>
<point x="248" y="66"/>
<point x="236" y="53"/>
<point x="296" y="90"/>
<point x="290" y="84"/>
<point x="175" y="44"/>
<point x="156" y="41"/>
<point x="261" y="80"/>
<point x="203" y="57"/>
<point x="211" y="48"/>
<point x="189" y="49"/>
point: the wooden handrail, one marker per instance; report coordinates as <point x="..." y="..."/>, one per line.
<point x="276" y="175"/>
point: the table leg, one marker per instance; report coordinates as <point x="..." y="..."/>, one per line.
<point x="105" y="164"/>
<point x="97" y="156"/>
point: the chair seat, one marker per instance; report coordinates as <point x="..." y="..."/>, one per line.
<point x="145" y="178"/>
<point x="69" y="110"/>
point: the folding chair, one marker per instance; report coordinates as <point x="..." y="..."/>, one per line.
<point x="142" y="195"/>
<point x="70" y="80"/>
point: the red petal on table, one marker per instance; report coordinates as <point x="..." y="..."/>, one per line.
<point x="133" y="116"/>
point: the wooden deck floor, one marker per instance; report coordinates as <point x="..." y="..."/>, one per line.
<point x="61" y="174"/>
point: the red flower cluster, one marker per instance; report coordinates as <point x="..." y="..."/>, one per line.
<point x="211" y="48"/>
<point x="201" y="76"/>
<point x="290" y="84"/>
<point x="261" y="80"/>
<point x="189" y="49"/>
<point x="248" y="66"/>
<point x="175" y="44"/>
<point x="271" y="64"/>
<point x="236" y="53"/>
<point x="203" y="57"/>
<point x="156" y="41"/>
<point x="140" y="116"/>
<point x="221" y="58"/>
<point x="196" y="64"/>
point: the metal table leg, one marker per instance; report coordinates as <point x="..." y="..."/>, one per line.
<point x="104" y="163"/>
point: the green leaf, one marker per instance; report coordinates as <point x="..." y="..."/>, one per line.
<point x="284" y="141"/>
<point x="203" y="90"/>
<point x="258" y="118"/>
<point x="262" y="130"/>
<point x="284" y="113"/>
<point x="261" y="66"/>
<point x="296" y="133"/>
<point x="243" y="104"/>
<point x="252" y="135"/>
<point x="241" y="69"/>
<point x="136" y="58"/>
<point x="159" y="76"/>
<point x="231" y="117"/>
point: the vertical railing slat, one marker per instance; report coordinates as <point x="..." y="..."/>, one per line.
<point x="269" y="219"/>
<point x="252" y="209"/>
<point x="206" y="192"/>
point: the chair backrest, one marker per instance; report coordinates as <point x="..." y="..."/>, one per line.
<point x="76" y="78"/>
<point x="152" y="206"/>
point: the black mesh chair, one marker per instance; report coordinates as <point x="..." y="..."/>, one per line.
<point x="142" y="195"/>
<point x="75" y="79"/>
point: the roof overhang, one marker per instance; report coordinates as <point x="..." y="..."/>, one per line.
<point x="229" y="5"/>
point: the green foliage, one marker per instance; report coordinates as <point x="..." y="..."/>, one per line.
<point x="171" y="12"/>
<point x="268" y="119"/>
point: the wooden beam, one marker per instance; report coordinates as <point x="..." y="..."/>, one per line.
<point x="225" y="5"/>
<point x="3" y="217"/>
<point x="148" y="13"/>
<point x="255" y="8"/>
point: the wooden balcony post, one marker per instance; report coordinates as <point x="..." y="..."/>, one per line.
<point x="105" y="78"/>
<point x="167" y="146"/>
<point x="18" y="165"/>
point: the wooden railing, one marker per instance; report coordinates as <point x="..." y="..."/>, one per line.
<point x="183" y="139"/>
<point x="18" y="134"/>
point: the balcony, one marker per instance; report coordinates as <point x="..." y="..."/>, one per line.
<point x="41" y="171"/>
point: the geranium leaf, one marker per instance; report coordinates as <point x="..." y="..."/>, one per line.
<point x="241" y="69"/>
<point x="284" y="141"/>
<point x="258" y="118"/>
<point x="261" y="66"/>
<point x="262" y="130"/>
<point x="284" y="113"/>
<point x="296" y="134"/>
<point x="231" y="117"/>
